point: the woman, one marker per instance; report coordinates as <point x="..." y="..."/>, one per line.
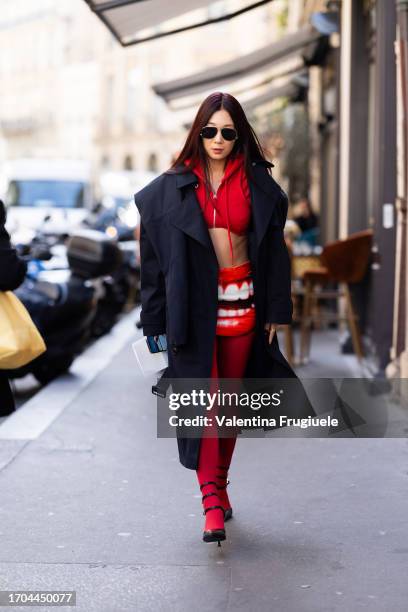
<point x="215" y="275"/>
<point x="12" y="273"/>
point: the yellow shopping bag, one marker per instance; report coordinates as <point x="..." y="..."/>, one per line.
<point x="20" y="340"/>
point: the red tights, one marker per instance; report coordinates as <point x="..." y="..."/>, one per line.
<point x="230" y="357"/>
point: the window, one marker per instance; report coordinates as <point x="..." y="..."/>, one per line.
<point x="109" y="102"/>
<point x="128" y="162"/>
<point x="152" y="163"/>
<point x="39" y="193"/>
<point x="133" y="95"/>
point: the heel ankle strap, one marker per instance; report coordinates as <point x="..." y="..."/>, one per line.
<point x="208" y="495"/>
<point x="213" y="508"/>
<point x="223" y="486"/>
<point x="207" y="483"/>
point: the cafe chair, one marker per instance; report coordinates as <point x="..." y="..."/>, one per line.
<point x="343" y="263"/>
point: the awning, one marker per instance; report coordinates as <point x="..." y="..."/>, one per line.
<point x="289" y="90"/>
<point x="292" y="87"/>
<point x="299" y="46"/>
<point x="128" y="19"/>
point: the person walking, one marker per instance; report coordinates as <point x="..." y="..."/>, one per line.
<point x="215" y="276"/>
<point x="12" y="273"/>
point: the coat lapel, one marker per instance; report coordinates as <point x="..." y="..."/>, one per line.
<point x="188" y="216"/>
<point x="265" y="194"/>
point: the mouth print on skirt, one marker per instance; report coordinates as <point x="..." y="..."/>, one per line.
<point x="236" y="307"/>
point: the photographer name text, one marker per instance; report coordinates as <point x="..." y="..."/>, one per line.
<point x="254" y="421"/>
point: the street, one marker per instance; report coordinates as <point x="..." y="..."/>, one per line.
<point x="160" y="160"/>
<point x="319" y="524"/>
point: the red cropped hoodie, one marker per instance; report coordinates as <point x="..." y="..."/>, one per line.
<point x="230" y="206"/>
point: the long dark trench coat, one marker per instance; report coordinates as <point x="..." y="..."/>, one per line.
<point x="179" y="281"/>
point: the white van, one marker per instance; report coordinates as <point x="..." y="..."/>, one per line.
<point x="52" y="195"/>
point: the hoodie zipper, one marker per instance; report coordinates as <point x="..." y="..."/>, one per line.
<point x="214" y="198"/>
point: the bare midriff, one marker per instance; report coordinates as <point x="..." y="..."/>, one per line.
<point x="219" y="237"/>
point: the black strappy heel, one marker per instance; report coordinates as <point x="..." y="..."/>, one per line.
<point x="212" y="535"/>
<point x="228" y="511"/>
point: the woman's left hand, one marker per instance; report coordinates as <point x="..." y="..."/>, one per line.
<point x="271" y="329"/>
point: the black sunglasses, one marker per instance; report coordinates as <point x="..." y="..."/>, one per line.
<point x="226" y="133"/>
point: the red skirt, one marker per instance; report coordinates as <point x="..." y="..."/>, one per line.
<point x="236" y="307"/>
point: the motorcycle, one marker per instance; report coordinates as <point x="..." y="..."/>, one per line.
<point x="119" y="221"/>
<point x="68" y="305"/>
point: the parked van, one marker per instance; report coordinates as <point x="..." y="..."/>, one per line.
<point x="52" y="195"/>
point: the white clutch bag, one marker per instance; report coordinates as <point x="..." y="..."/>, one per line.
<point x="149" y="363"/>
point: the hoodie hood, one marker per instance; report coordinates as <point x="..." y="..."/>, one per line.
<point x="233" y="164"/>
<point x="234" y="174"/>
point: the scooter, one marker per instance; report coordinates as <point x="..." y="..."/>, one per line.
<point x="115" y="291"/>
<point x="120" y="221"/>
<point x="64" y="303"/>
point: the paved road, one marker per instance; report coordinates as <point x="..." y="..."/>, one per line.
<point x="97" y="504"/>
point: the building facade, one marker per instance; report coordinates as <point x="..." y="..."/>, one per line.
<point x="70" y="90"/>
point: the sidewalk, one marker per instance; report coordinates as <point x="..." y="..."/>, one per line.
<point x="319" y="524"/>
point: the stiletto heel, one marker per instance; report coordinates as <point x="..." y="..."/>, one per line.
<point x="222" y="487"/>
<point x="212" y="535"/>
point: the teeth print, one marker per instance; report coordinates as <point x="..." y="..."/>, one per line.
<point x="222" y="312"/>
<point x="227" y="323"/>
<point x="244" y="293"/>
<point x="233" y="292"/>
